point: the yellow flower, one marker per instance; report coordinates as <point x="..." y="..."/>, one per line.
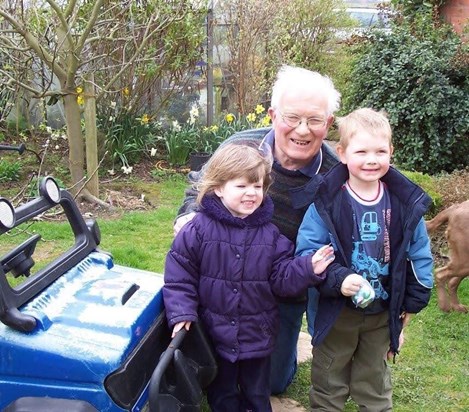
<point x="126" y="91"/>
<point x="251" y="117"/>
<point x="79" y="90"/>
<point x="230" y="118"/>
<point x="80" y="99"/>
<point x="214" y="128"/>
<point x="259" y="109"/>
<point x="145" y="119"/>
<point x="265" y="121"/>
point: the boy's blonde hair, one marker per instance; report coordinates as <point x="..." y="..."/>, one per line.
<point x="232" y="161"/>
<point x="363" y="119"/>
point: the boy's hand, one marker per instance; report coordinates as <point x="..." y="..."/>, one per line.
<point x="351" y="284"/>
<point x="181" y="221"/>
<point x="322" y="258"/>
<point x="179" y="326"/>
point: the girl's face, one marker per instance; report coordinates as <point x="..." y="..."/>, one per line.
<point x="240" y="196"/>
<point x="367" y="157"/>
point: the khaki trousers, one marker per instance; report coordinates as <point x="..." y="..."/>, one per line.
<point x="351" y="361"/>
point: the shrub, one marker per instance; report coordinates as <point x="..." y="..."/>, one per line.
<point x="420" y="76"/>
<point x="427" y="183"/>
<point x="9" y="171"/>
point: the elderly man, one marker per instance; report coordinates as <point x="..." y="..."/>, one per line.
<point x="302" y="110"/>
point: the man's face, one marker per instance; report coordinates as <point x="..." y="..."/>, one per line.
<point x="295" y="147"/>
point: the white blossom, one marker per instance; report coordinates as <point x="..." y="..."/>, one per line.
<point x="153" y="151"/>
<point x="176" y="126"/>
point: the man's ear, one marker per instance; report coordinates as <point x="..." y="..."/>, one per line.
<point x="271" y="113"/>
<point x="330" y="120"/>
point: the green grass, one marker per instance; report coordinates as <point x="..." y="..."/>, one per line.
<point x="430" y="374"/>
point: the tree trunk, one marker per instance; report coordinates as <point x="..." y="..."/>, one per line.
<point x="91" y="137"/>
<point x="75" y="141"/>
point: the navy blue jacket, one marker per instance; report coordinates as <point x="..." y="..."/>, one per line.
<point x="329" y="219"/>
<point x="226" y="271"/>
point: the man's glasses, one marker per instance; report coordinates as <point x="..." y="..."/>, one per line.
<point x="293" y="121"/>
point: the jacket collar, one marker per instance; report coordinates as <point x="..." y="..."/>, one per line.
<point x="213" y="207"/>
<point x="331" y="182"/>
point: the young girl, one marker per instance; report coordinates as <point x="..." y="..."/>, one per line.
<point x="226" y="266"/>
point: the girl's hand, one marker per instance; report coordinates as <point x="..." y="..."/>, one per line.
<point x="351" y="284"/>
<point x="179" y="326"/>
<point x="322" y="258"/>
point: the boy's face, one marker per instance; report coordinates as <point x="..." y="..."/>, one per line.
<point x="240" y="196"/>
<point x="367" y="156"/>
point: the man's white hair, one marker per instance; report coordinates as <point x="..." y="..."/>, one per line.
<point x="290" y="77"/>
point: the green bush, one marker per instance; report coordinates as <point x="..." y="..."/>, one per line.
<point x="9" y="171"/>
<point x="427" y="183"/>
<point x="419" y="74"/>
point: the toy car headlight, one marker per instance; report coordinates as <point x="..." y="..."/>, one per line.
<point x="7" y="214"/>
<point x="50" y="189"/>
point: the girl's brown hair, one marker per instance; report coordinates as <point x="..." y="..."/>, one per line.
<point x="232" y="161"/>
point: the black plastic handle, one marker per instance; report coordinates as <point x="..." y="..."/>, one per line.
<point x="20" y="148"/>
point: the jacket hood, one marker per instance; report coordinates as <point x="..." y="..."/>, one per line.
<point x="213" y="207"/>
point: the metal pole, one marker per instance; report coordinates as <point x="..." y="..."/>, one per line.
<point x="210" y="65"/>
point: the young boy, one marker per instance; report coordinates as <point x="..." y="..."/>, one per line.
<point x="373" y="215"/>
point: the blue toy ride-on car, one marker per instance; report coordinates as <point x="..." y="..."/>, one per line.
<point x="85" y="334"/>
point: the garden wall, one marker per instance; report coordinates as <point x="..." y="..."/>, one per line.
<point x="456" y="12"/>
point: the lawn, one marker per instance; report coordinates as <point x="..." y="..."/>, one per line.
<point x="430" y="374"/>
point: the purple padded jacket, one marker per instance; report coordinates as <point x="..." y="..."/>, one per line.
<point x="226" y="271"/>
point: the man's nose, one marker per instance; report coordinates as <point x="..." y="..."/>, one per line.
<point x="302" y="128"/>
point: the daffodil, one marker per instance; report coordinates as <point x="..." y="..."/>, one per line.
<point x="145" y="119"/>
<point x="214" y="128"/>
<point x="265" y="121"/>
<point x="79" y="90"/>
<point x="127" y="170"/>
<point x="193" y="114"/>
<point x="251" y="117"/>
<point x="80" y="99"/>
<point x="230" y="118"/>
<point x="125" y="91"/>
<point x="259" y="109"/>
<point x="176" y="126"/>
